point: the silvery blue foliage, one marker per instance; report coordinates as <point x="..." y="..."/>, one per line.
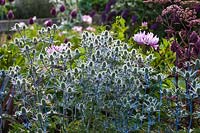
<point x="103" y="85"/>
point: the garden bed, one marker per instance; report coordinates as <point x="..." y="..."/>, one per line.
<point x="131" y="67"/>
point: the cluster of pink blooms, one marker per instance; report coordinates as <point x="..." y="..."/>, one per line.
<point x="90" y="29"/>
<point x="147" y="39"/>
<point x="87" y="19"/>
<point x="77" y="29"/>
<point x="80" y="29"/>
<point x="54" y="48"/>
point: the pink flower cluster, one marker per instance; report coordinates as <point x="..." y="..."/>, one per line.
<point x="54" y="48"/>
<point x="87" y="19"/>
<point x="77" y="29"/>
<point x="90" y="29"/>
<point x="148" y="39"/>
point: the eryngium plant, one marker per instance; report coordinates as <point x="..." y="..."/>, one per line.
<point x="100" y="86"/>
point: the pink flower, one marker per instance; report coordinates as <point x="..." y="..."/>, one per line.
<point x="144" y="24"/>
<point x="54" y="48"/>
<point x="90" y="29"/>
<point x="77" y="28"/>
<point x="147" y="39"/>
<point x="87" y="19"/>
<point x="139" y="37"/>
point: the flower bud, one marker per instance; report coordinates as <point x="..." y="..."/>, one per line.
<point x="93" y="72"/>
<point x="151" y="109"/>
<point x="40" y="116"/>
<point x="49" y="29"/>
<point x="43" y="102"/>
<point x="53" y="11"/>
<point x="98" y="53"/>
<point x="146" y="70"/>
<point x="91" y="63"/>
<point x="197" y="62"/>
<point x="40" y="130"/>
<point x="73" y="13"/>
<point x="63" y="85"/>
<point x="31" y="21"/>
<point x="174" y="70"/>
<point x="2" y="2"/>
<point x="62" y="8"/>
<point x="159" y="77"/>
<point x="41" y="56"/>
<point x="50" y="97"/>
<point x="69" y="90"/>
<point x="27" y="48"/>
<point x="10" y="14"/>
<point x="77" y="51"/>
<point x="198" y="91"/>
<point x="104" y="64"/>
<point x="99" y="76"/>
<point x="187" y="75"/>
<point x="54" y="26"/>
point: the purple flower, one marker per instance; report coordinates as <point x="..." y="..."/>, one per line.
<point x="108" y="7"/>
<point x="198" y="43"/>
<point x="32" y="20"/>
<point x="10" y="14"/>
<point x="73" y="13"/>
<point x="139" y="37"/>
<point x="193" y="37"/>
<point x="2" y="2"/>
<point x="53" y="11"/>
<point x="154" y="26"/>
<point x="62" y="8"/>
<point x="109" y="4"/>
<point x="125" y="13"/>
<point x="133" y="19"/>
<point x="197" y="8"/>
<point x="103" y="17"/>
<point x="147" y="39"/>
<point x="175" y="47"/>
<point x="48" y="23"/>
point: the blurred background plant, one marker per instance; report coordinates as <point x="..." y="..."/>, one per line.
<point x="5" y="6"/>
